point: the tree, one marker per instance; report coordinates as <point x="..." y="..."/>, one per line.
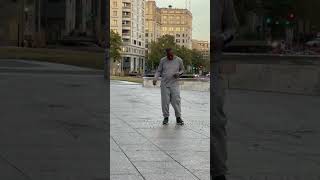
<point x="115" y="46"/>
<point x="197" y="60"/>
<point x="157" y="50"/>
<point x="185" y="54"/>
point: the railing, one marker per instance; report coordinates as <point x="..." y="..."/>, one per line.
<point x="125" y="34"/>
<point x="126" y="25"/>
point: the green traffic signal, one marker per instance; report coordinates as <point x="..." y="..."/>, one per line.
<point x="268" y="20"/>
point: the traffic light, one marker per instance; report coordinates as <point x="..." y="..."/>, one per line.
<point x="290" y="19"/>
<point x="268" y="20"/>
<point x="287" y="22"/>
<point x="292" y="16"/>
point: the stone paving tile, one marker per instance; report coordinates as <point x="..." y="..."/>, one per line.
<point x="121" y="166"/>
<point x="126" y="177"/>
<point x="164" y="170"/>
<point x="10" y="172"/>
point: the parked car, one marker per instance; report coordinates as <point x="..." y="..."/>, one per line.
<point x="248" y="47"/>
<point x="314" y="43"/>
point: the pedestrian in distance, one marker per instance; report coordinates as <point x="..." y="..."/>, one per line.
<point x="170" y="69"/>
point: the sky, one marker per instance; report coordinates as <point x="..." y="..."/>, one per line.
<point x="201" y="15"/>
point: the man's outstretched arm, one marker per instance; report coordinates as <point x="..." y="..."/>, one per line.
<point x="181" y="68"/>
<point x="158" y="71"/>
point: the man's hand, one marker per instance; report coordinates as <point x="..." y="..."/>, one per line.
<point x="176" y="75"/>
<point x="154" y="82"/>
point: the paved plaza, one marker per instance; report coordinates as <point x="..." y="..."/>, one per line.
<point x="141" y="148"/>
<point x="52" y="122"/>
<point x="271" y="136"/>
<point x="53" y="126"/>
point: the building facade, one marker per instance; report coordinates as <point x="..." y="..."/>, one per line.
<point x="153" y="22"/>
<point x="178" y="23"/>
<point x="9" y="22"/>
<point x="203" y="47"/>
<point x="36" y="23"/>
<point x="127" y="18"/>
<point x="168" y="21"/>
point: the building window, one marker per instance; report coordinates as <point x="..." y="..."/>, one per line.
<point x="139" y="43"/>
<point x="114" y="22"/>
<point x="147" y="35"/>
<point x="134" y="42"/>
<point x="115" y="13"/>
<point x="115" y="4"/>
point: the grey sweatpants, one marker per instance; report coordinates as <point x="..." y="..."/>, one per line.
<point x="170" y="95"/>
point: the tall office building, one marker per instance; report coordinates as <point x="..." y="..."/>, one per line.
<point x="203" y="47"/>
<point x="153" y="22"/>
<point x="128" y="20"/>
<point x="178" y="23"/>
<point x="171" y="21"/>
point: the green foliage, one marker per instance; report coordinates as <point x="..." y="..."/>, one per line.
<point x="197" y="60"/>
<point x="157" y="51"/>
<point x="115" y="46"/>
<point x="185" y="54"/>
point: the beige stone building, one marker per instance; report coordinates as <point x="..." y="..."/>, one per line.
<point x="178" y="23"/>
<point x="153" y="22"/>
<point x="127" y="18"/>
<point x="172" y="21"/>
<point x="203" y="47"/>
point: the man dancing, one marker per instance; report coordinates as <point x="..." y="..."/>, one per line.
<point x="170" y="69"/>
